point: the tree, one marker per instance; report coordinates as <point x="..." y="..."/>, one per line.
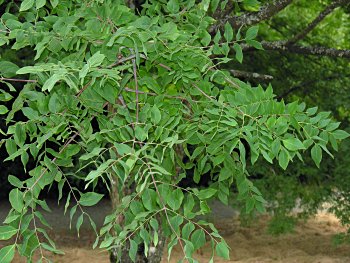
<point x="319" y="80"/>
<point x="140" y="99"/>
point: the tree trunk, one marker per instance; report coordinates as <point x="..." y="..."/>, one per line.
<point x="122" y="255"/>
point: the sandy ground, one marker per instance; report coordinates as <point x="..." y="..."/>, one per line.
<point x="310" y="243"/>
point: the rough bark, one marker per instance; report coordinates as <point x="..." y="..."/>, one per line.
<point x="250" y="75"/>
<point x="250" y="18"/>
<point x="304" y="50"/>
<point x="265" y="12"/>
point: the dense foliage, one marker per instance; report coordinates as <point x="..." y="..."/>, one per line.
<point x="319" y="81"/>
<point x="139" y="102"/>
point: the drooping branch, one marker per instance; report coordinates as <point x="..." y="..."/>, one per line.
<point x="329" y="9"/>
<point x="265" y="12"/>
<point x="304" y="50"/>
<point x="250" y="75"/>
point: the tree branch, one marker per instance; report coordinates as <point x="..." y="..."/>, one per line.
<point x="308" y="82"/>
<point x="265" y="12"/>
<point x="250" y="75"/>
<point x="311" y="50"/>
<point x="18" y="80"/>
<point x="329" y="9"/>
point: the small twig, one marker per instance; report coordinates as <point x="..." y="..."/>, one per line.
<point x="61" y="151"/>
<point x="165" y="66"/>
<point x="18" y="80"/>
<point x="136" y="88"/>
<point x="122" y="60"/>
<point x="84" y="88"/>
<point x="53" y="160"/>
<point x="155" y="94"/>
<point x="201" y="91"/>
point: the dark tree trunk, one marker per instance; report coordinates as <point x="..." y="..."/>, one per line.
<point x="154" y="255"/>
<point x="122" y="255"/>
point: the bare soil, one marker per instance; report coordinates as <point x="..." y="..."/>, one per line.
<point x="310" y="242"/>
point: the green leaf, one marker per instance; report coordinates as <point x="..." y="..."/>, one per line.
<point x="84" y="71"/>
<point x="7" y="253"/>
<point x="30" y="69"/>
<point x="206" y="193"/>
<point x="255" y="44"/>
<point x="16" y="199"/>
<point x="79" y="222"/>
<point x="123" y="149"/>
<point x="54" y="3"/>
<point x="20" y="134"/>
<point x="204" y="207"/>
<point x="249" y="205"/>
<point x="30" y="113"/>
<point x="24" y="159"/>
<point x="8" y="69"/>
<point x="187" y="230"/>
<point x="173" y="6"/>
<point x="3" y="109"/>
<point x="6" y="232"/>
<point x="228" y="34"/>
<point x="133" y="250"/>
<point x="155" y="114"/>
<point x="140" y="133"/>
<point x="4" y="96"/>
<point x="242" y="154"/>
<point x="283" y="158"/>
<point x="239" y="52"/>
<point x="225" y="173"/>
<point x="206" y="38"/>
<point x="96" y="59"/>
<point x="340" y="134"/>
<point x="90" y="198"/>
<point x="198" y="239"/>
<point x="95" y="152"/>
<point x="252" y="32"/>
<point x="188" y="206"/>
<point x="54" y="104"/>
<point x="11" y="146"/>
<point x="293" y="144"/>
<point x="26" y="4"/>
<point x="51" y="248"/>
<point x="40" y="3"/>
<point x="13" y="180"/>
<point x="316" y="154"/>
<point x="175" y="199"/>
<point x="311" y="111"/>
<point x="51" y="82"/>
<point x="149" y="198"/>
<point x="222" y="250"/>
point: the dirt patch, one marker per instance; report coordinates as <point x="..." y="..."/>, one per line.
<point x="310" y="243"/>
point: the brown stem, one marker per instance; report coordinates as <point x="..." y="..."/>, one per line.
<point x="304" y="50"/>
<point x="251" y="18"/>
<point x="250" y="75"/>
<point x="18" y="80"/>
<point x="136" y="88"/>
